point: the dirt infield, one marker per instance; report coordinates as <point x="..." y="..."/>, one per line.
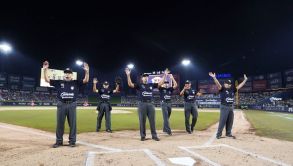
<point x="26" y="146"/>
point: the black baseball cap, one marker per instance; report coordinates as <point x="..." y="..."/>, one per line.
<point x="145" y="75"/>
<point x="228" y="82"/>
<point x="187" y="82"/>
<point x="106" y="83"/>
<point x="68" y="70"/>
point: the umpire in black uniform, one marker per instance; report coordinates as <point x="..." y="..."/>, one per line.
<point x="190" y="107"/>
<point x="226" y="108"/>
<point x="104" y="105"/>
<point x="145" y="106"/>
<point x="166" y="102"/>
<point x="67" y="91"/>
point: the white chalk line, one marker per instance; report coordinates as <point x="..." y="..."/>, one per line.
<point x="242" y="151"/>
<point x="53" y="137"/>
<point x="289" y="118"/>
<point x="211" y="139"/>
<point x="91" y="156"/>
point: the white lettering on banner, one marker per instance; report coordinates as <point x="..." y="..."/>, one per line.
<point x="229" y="100"/>
<point x="275" y="99"/>
<point x="66" y="95"/>
<point x="290" y="109"/>
<point x="147" y="94"/>
<point x="105" y="96"/>
<point x="167" y="97"/>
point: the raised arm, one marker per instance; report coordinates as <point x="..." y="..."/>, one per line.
<point x="95" y="81"/>
<point x="242" y="83"/>
<point x="45" y="67"/>
<point x="86" y="69"/>
<point x="166" y="72"/>
<point x="174" y="82"/>
<point x="116" y="90"/>
<point x="213" y="75"/>
<point x="129" y="82"/>
<point x="182" y="92"/>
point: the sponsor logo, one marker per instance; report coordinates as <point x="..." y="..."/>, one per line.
<point x="147" y="94"/>
<point x="66" y="95"/>
<point x="103" y="96"/>
<point x="190" y="97"/>
<point x="275" y="99"/>
<point x="229" y="100"/>
<point x="167" y="97"/>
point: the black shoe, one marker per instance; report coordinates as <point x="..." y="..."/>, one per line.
<point x="218" y="137"/>
<point x="169" y="133"/>
<point x="72" y="144"/>
<point x="98" y="130"/>
<point x="231" y="136"/>
<point x="156" y="138"/>
<point x="189" y="132"/>
<point x="109" y="131"/>
<point x="142" y="138"/>
<point x="56" y="145"/>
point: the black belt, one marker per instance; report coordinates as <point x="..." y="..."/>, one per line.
<point x="227" y="105"/>
<point x="146" y="101"/>
<point x="67" y="101"/>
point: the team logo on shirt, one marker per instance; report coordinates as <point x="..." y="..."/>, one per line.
<point x="147" y="94"/>
<point x="66" y="95"/>
<point x="190" y="97"/>
<point x="167" y="97"/>
<point x="72" y="87"/>
<point x="229" y="100"/>
<point x="103" y="96"/>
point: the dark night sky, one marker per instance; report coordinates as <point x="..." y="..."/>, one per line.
<point x="250" y="37"/>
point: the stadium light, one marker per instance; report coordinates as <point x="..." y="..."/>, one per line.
<point x="185" y="62"/>
<point x="130" y="66"/>
<point x="5" y="48"/>
<point x="79" y="62"/>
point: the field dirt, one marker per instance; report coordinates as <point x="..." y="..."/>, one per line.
<point x="26" y="146"/>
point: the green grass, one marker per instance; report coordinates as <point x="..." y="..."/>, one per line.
<point x="272" y="125"/>
<point x="86" y="120"/>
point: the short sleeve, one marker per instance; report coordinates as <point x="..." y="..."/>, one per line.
<point x="79" y="83"/>
<point x="222" y="89"/>
<point x="185" y="94"/>
<point x="136" y="86"/>
<point x="55" y="83"/>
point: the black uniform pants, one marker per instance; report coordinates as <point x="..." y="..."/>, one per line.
<point x="226" y="119"/>
<point x="147" y="110"/>
<point x="190" y="108"/>
<point x="104" y="109"/>
<point x="66" y="110"/>
<point x="166" y="111"/>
